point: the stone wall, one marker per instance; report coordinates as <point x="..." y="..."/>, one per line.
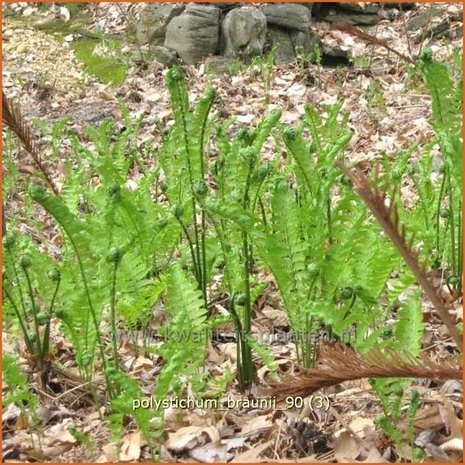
<point x="234" y="31"/>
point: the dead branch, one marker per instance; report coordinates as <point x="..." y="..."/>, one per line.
<point x="388" y="218"/>
<point x="342" y="363"/>
<point x="11" y="116"/>
<point x="368" y="38"/>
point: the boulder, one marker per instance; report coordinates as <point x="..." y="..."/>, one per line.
<point x="287" y="15"/>
<point x="403" y="6"/>
<point x="281" y="40"/>
<point x="422" y="19"/>
<point x="356" y="19"/>
<point x="244" y="33"/>
<point x="308" y="5"/>
<point x="165" y="55"/>
<point x="334" y="56"/>
<point x="286" y="42"/>
<point x="153" y="21"/>
<point x="363" y="8"/>
<point x="225" y="7"/>
<point x="195" y="33"/>
<point x="220" y="65"/>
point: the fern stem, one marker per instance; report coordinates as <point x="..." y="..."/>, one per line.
<point x="34" y="317"/>
<point x="452" y="226"/>
<point x="245" y="249"/>
<point x="220" y="233"/>
<point x="204" y="259"/>
<point x="328" y="218"/>
<point x="18" y="283"/>
<point x="197" y="246"/>
<point x="247" y="364"/>
<point x="113" y="316"/>
<point x="422" y="204"/>
<point x="438" y="209"/>
<point x="191" y="248"/>
<point x="263" y="212"/>
<point x="46" y="343"/>
<point x="460" y="245"/>
<point x="27" y="340"/>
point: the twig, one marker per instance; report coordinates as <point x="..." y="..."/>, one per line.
<point x="352" y="30"/>
<point x="404" y="24"/>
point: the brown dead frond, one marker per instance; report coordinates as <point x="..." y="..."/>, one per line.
<point x="11" y="117"/>
<point x="342" y="363"/>
<point x="368" y="38"/>
<point x="388" y="218"/>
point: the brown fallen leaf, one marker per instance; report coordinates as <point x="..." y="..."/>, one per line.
<point x="110" y="452"/>
<point x="210" y="453"/>
<point x="106" y="96"/>
<point x="252" y="455"/>
<point x="346" y="450"/>
<point x="451" y="421"/>
<point x="191" y="436"/>
<point x="130" y="447"/>
<point x="256" y="426"/>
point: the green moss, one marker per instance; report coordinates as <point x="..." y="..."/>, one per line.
<point x="109" y="69"/>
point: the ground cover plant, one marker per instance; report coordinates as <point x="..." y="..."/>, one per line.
<point x="194" y="283"/>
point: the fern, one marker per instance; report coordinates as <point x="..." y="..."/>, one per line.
<point x="80" y="240"/>
<point x="184" y="165"/>
<point x="447" y="122"/>
<point x="17" y="391"/>
<point x="17" y="381"/>
<point x="122" y="407"/>
<point x="183" y="350"/>
<point x="408" y="336"/>
<point x="445" y="102"/>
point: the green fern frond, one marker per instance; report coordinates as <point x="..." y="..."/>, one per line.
<point x="81" y="241"/>
<point x="410" y="327"/>
<point x="446" y="107"/>
<point x="184" y="348"/>
<point x="229" y="211"/>
<point x="264" y="129"/>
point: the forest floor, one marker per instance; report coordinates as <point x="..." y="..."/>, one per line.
<point x="389" y="110"/>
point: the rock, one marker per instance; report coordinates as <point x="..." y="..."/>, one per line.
<point x="287" y="15"/>
<point x="165" y="55"/>
<point x="281" y="39"/>
<point x="219" y="65"/>
<point x="308" y="5"/>
<point x="334" y="56"/>
<point x="195" y="33"/>
<point x="443" y="27"/>
<point x="244" y="33"/>
<point x="404" y="6"/>
<point x="356" y="19"/>
<point x="287" y="41"/>
<point x="139" y="57"/>
<point x="422" y="19"/>
<point x="364" y="8"/>
<point x="154" y="20"/>
<point x="225" y="7"/>
<point x="320" y="10"/>
<point x="451" y="33"/>
<point x="86" y="112"/>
